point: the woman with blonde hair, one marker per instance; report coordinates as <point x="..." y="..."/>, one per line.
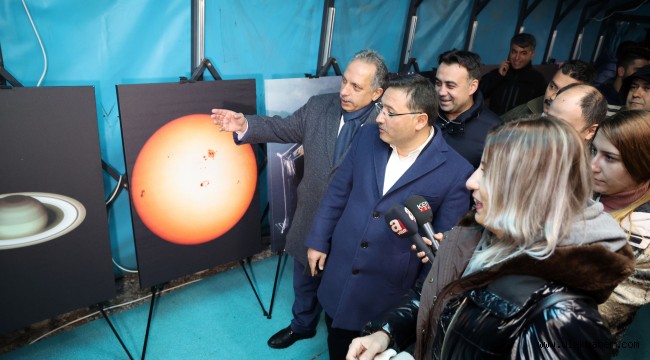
<point x="521" y="277"/>
<point x="621" y="175"/>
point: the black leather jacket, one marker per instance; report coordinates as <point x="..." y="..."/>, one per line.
<point x="525" y="327"/>
<point x="486" y="325"/>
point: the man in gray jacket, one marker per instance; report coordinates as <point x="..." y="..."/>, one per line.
<point x="325" y="126"/>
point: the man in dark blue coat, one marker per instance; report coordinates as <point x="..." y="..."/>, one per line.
<point x="463" y="119"/>
<point x="365" y="268"/>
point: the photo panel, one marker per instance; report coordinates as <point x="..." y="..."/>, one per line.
<point x="193" y="192"/>
<point x="54" y="243"/>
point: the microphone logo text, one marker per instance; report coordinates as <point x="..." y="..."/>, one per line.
<point x="397" y="227"/>
<point x="424" y="206"/>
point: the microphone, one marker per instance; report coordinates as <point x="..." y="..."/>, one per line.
<point x="403" y="224"/>
<point x="420" y="208"/>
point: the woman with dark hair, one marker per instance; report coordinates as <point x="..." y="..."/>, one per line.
<point x="521" y="278"/>
<point x="621" y="175"/>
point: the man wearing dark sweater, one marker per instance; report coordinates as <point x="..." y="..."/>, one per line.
<point x="463" y="120"/>
<point x="515" y="82"/>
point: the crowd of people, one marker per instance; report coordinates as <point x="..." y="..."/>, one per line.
<point x="539" y="195"/>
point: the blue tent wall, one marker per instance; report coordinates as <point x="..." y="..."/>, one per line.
<point x="107" y="42"/>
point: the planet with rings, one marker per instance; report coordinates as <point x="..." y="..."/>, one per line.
<point x="30" y="218"/>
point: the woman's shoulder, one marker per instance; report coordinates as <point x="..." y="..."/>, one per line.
<point x="644" y="208"/>
<point x="463" y="236"/>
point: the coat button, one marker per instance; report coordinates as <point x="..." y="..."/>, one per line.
<point x="375" y="214"/>
<point x="364" y="244"/>
<point x="355" y="271"/>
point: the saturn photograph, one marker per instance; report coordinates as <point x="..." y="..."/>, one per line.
<point x="31" y="218"/>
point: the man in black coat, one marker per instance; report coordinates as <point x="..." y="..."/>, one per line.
<point x="463" y="119"/>
<point x="515" y="82"/>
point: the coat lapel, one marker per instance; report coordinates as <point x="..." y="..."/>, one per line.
<point x="380" y="153"/>
<point x="333" y="117"/>
<point x="431" y="157"/>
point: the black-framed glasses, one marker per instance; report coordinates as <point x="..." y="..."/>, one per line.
<point x="380" y="110"/>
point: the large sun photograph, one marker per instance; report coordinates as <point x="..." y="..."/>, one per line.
<point x="193" y="191"/>
<point x="191" y="183"/>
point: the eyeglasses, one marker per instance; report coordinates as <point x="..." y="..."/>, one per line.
<point x="380" y="110"/>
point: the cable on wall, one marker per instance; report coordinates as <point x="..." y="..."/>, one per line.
<point x="39" y="42"/>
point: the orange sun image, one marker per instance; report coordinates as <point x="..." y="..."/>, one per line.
<point x="191" y="183"/>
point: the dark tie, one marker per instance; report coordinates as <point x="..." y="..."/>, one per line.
<point x="351" y="123"/>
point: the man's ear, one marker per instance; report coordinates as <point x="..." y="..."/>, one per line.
<point x="422" y="121"/>
<point x="473" y="86"/>
<point x="620" y="71"/>
<point x="591" y="131"/>
<point x="377" y="94"/>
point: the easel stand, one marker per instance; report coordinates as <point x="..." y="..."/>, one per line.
<point x="243" y="266"/>
<point x="155" y="291"/>
<point x="407" y="67"/>
<point x="281" y="255"/>
<point x="110" y="324"/>
<point x="197" y="73"/>
<point x="331" y="62"/>
<point x="6" y="77"/>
